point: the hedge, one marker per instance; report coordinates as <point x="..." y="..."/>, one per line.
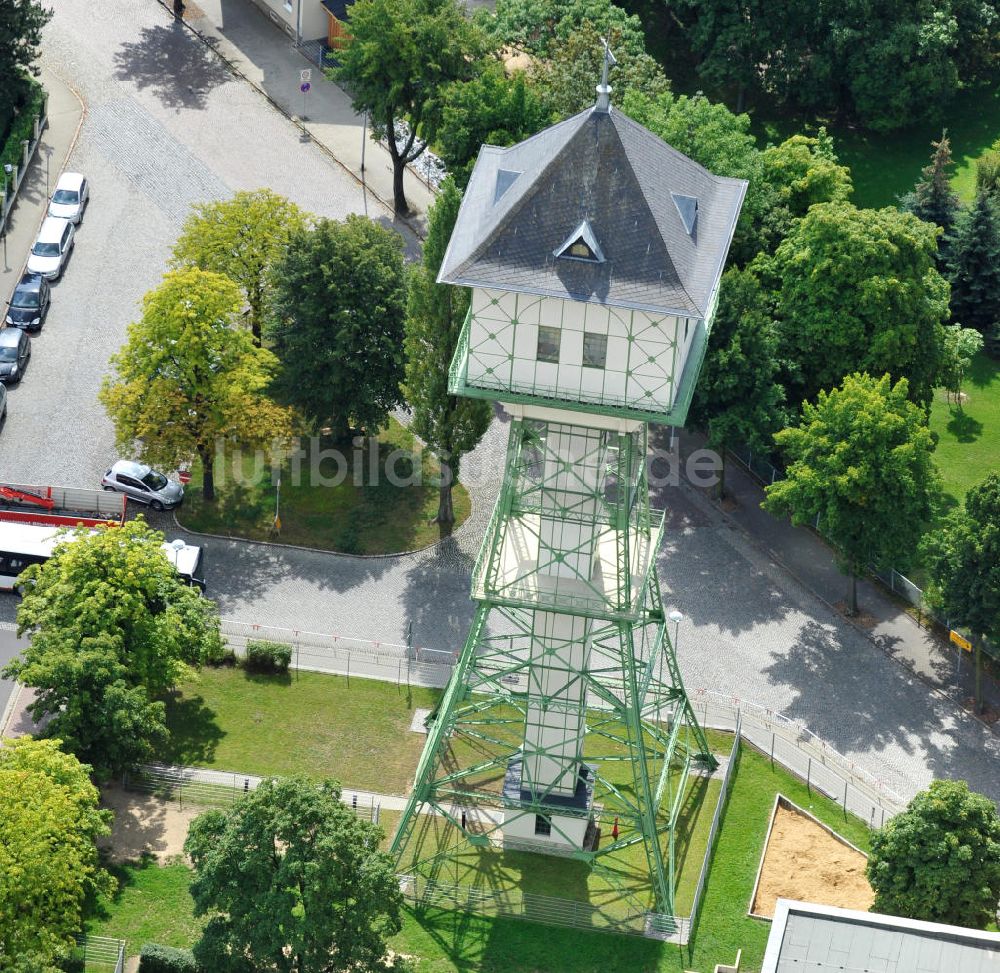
<point x="267" y="657"/>
<point x="22" y="127"/>
<point x="155" y="958"/>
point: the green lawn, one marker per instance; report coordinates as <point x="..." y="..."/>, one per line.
<point x="364" y="513"/>
<point x="356" y="730"/>
<point x="154" y="905"/>
<point x="969" y="439"/>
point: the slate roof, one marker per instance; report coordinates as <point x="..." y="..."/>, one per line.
<point x="605" y="169"/>
<point x="809" y="938"/>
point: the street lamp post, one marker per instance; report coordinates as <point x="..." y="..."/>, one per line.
<point x="178" y="545"/>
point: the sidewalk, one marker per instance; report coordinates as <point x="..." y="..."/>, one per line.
<point x="65" y="111"/>
<point x="805" y="556"/>
<point x="267" y="58"/>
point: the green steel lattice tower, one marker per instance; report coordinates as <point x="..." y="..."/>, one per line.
<point x="594" y="253"/>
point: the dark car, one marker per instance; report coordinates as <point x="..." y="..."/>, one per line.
<point x="15" y="350"/>
<point x="29" y="303"/>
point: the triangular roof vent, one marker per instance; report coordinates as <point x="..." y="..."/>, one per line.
<point x="687" y="206"/>
<point x="505" y="179"/>
<point x="581" y="244"/>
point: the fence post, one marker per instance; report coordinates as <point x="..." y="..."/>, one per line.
<point x="772" y="749"/>
<point x="809" y="767"/>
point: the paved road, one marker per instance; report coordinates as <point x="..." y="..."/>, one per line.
<point x="9" y="647"/>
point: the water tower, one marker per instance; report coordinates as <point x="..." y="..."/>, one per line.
<point x="594" y="252"/>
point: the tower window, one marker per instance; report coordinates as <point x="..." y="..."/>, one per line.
<point x="543" y="826"/>
<point x="595" y="350"/>
<point x="548" y="344"/>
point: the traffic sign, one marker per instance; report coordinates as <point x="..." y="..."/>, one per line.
<point x="305" y="75"/>
<point x="960" y="641"/>
<point x="304" y="87"/>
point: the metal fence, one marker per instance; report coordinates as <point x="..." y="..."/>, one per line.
<point x="760" y="467"/>
<point x="12" y="183"/>
<point x="213" y="788"/>
<point x="727" y="781"/>
<point x="342" y="655"/>
<point x="101" y="951"/>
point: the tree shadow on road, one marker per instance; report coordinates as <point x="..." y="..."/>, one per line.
<point x="179" y="69"/>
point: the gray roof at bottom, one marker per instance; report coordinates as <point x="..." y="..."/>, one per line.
<point x="607" y="170"/>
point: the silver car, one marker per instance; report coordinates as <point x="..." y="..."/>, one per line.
<point x="141" y="483"/>
<point x="70" y="198"/>
<point x="51" y="250"/>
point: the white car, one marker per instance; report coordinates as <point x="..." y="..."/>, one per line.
<point x="51" y="250"/>
<point x="70" y="198"/>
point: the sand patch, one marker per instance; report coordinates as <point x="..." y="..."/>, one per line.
<point x="804" y="861"/>
<point x="145" y="825"/>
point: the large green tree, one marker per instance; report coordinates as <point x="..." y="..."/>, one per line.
<point x="188" y="379"/>
<point x="241" y="238"/>
<point x="292" y="881"/>
<point x="21" y="23"/>
<point x="962" y="558"/>
<point x="860" y="463"/>
<point x="492" y="109"/>
<point x="738" y="398"/>
<point x="49" y="823"/>
<point x="337" y="323"/>
<point x="398" y="58"/>
<point x="973" y="265"/>
<point x="940" y="859"/>
<point x="112" y="627"/>
<point x="450" y="425"/>
<point x="857" y="290"/>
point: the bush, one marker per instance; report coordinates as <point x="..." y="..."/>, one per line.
<point x="267" y="657"/>
<point x="155" y="958"/>
<point x="22" y="127"/>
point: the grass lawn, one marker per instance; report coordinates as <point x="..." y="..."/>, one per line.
<point x="356" y="731"/>
<point x="154" y="904"/>
<point x="969" y="440"/>
<point x="363" y="514"/>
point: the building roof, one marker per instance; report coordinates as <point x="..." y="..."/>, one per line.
<point x="662" y="224"/>
<point x="808" y="938"/>
<point x="337" y="8"/>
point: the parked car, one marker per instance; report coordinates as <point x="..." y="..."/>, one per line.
<point x="139" y="482"/>
<point x="29" y="304"/>
<point x="15" y="350"/>
<point x="70" y="198"/>
<point x="51" y="250"/>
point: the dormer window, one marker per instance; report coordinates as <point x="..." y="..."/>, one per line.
<point x="687" y="209"/>
<point x="581" y="244"/>
<point x="505" y="179"/>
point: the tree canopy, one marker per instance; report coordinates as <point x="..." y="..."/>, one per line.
<point x="973" y="265"/>
<point x="49" y="823"/>
<point x="337" y="323"/>
<point x="187" y="379"/>
<point x="960" y="346"/>
<point x="241" y="238"/>
<point x="398" y="58"/>
<point x="292" y="880"/>
<point x="962" y="558"/>
<point x="933" y="200"/>
<point x="21" y="23"/>
<point x="940" y="859"/>
<point x="859" y="461"/>
<point x="857" y="290"/>
<point x="112" y="627"/>
<point x="450" y="425"/>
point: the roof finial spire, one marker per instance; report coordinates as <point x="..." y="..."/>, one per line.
<point x="604" y="89"/>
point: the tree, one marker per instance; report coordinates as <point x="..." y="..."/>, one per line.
<point x="940" y="859"/>
<point x="187" y="379"/>
<point x="933" y="200"/>
<point x="49" y="823"/>
<point x="803" y="171"/>
<point x="567" y="78"/>
<point x="450" y="425"/>
<point x="542" y="27"/>
<point x="859" y="461"/>
<point x="241" y="238"/>
<point x="857" y="290"/>
<point x="961" y="345"/>
<point x="490" y="109"/>
<point x="337" y="323"/>
<point x="962" y="558"/>
<point x="738" y="398"/>
<point x="400" y="55"/>
<point x="988" y="172"/>
<point x="112" y="627"/>
<point x="21" y="23"/>
<point x="973" y="266"/>
<point x="293" y="881"/>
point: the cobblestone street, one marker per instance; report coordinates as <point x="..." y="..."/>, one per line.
<point x="166" y="126"/>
